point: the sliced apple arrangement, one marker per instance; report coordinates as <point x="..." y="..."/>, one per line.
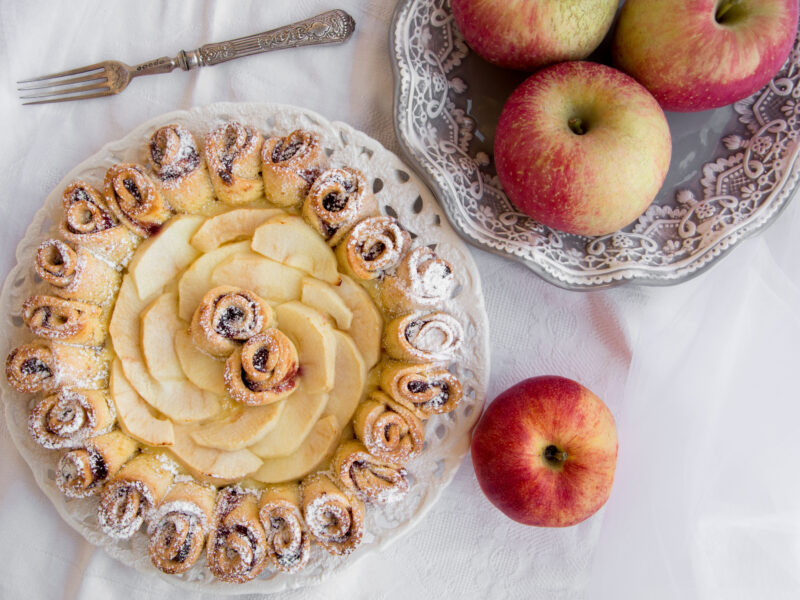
<point x="240" y="343"/>
<point x="285" y="264"/>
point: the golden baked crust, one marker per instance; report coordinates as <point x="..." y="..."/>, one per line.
<point x="241" y="416"/>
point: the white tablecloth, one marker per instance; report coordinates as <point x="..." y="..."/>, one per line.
<point x="701" y="377"/>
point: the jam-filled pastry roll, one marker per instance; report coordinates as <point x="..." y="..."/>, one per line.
<point x="425" y="389"/>
<point x="263" y="370"/>
<point x="233" y="156"/>
<point x="69" y="417"/>
<point x="388" y="430"/>
<point x="128" y="498"/>
<point x="227" y="315"/>
<point x="335" y="517"/>
<point x="63" y="320"/>
<point x="135" y="200"/>
<point x="289" y="165"/>
<point x="288" y="540"/>
<point x="371" y="479"/>
<point x="236" y="550"/>
<point x="180" y="172"/>
<point x="76" y="274"/>
<point x="42" y="366"/>
<point x="372" y="247"/>
<point x="421" y="338"/>
<point x="422" y="280"/>
<point x="178" y="527"/>
<point x="89" y="223"/>
<point x="338" y="199"/>
<point x="83" y="472"/>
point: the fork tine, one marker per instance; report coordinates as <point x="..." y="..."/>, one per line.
<point x="78" y="71"/>
<point x="77" y="97"/>
<point x="64" y="92"/>
<point x="72" y="80"/>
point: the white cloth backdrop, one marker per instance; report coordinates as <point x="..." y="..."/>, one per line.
<point x="701" y="377"/>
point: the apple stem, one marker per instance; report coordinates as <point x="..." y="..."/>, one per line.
<point x="576" y="125"/>
<point x="723" y="9"/>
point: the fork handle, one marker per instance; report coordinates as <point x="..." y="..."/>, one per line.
<point x="332" y="27"/>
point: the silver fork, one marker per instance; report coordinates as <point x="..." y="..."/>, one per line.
<point x="111" y="77"/>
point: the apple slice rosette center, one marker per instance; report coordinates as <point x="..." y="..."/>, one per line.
<point x="263" y="333"/>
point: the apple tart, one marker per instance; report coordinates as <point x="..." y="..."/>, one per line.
<point x="234" y="352"/>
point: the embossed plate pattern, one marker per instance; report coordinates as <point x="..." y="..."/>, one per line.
<point x="732" y="169"/>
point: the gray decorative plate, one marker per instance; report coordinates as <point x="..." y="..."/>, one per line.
<point x="733" y="169"/>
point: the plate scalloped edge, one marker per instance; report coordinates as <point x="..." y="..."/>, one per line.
<point x="740" y="192"/>
<point x="447" y="435"/>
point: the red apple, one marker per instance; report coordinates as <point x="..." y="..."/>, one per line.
<point x="582" y="147"/>
<point x="545" y="452"/>
<point x="528" y="34"/>
<point x="701" y="54"/>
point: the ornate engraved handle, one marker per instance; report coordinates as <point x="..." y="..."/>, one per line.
<point x="332" y="27"/>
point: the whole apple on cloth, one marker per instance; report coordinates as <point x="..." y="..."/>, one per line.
<point x="545" y="452"/>
<point x="528" y="34"/>
<point x="704" y="54"/>
<point x="582" y="148"/>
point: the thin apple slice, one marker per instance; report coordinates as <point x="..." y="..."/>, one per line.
<point x="351" y="374"/>
<point x="159" y="323"/>
<point x="288" y="240"/>
<point x="196" y="280"/>
<point x="301" y="412"/>
<point x="218" y="465"/>
<point x="162" y="257"/>
<point x="179" y="400"/>
<point x="318" y="445"/>
<point x="322" y="296"/>
<point x="134" y="414"/>
<point x="248" y="424"/>
<point x="231" y="226"/>
<point x="269" y="279"/>
<point x="313" y="337"/>
<point x="202" y="370"/>
<point x="367" y="326"/>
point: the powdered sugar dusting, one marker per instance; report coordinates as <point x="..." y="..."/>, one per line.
<point x="123" y="508"/>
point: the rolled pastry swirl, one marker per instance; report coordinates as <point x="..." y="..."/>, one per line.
<point x="263" y="370"/>
<point x="83" y="472"/>
<point x="179" y="526"/>
<point x="134" y="199"/>
<point x="41" y="366"/>
<point x="88" y="222"/>
<point x="180" y="172"/>
<point x="68" y="417"/>
<point x="227" y="315"/>
<point x="237" y="546"/>
<point x="368" y="477"/>
<point x="126" y="500"/>
<point x="422" y="280"/>
<point x="76" y="275"/>
<point x="65" y="320"/>
<point x="372" y="247"/>
<point x="290" y="165"/>
<point x="389" y="431"/>
<point x="338" y="199"/>
<point x="335" y="517"/>
<point x="434" y="337"/>
<point x="288" y="540"/>
<point x="425" y="389"/>
<point x="233" y="156"/>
